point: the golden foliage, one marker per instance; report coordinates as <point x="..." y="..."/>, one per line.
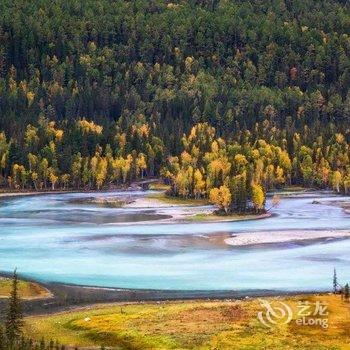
<point x="221" y="197"/>
<point x="258" y="197"/>
<point x="89" y="127"/>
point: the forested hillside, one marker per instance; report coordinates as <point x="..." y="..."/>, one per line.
<point x="99" y="92"/>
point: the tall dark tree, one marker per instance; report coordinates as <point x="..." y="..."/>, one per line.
<point x="335" y="281"/>
<point x="14" y="317"/>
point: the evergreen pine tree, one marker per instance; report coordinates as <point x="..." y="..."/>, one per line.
<point x="14" y="317"/>
<point x="335" y="281"/>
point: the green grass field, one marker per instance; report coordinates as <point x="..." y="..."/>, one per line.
<point x="231" y="325"/>
<point x="27" y="290"/>
<point x="233" y="217"/>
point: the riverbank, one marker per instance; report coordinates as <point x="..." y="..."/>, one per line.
<point x="28" y="290"/>
<point x="133" y="186"/>
<point x="29" y="193"/>
<point x="197" y="324"/>
<point x="63" y="297"/>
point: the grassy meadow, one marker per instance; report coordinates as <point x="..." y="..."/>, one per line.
<point x="198" y="325"/>
<point x="27" y="290"/>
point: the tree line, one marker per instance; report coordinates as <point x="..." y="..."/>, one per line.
<point x="234" y="173"/>
<point x="48" y="157"/>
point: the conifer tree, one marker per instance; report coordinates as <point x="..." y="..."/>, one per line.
<point x="14" y="317"/>
<point x="335" y="281"/>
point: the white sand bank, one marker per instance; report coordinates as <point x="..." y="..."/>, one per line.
<point x="270" y="237"/>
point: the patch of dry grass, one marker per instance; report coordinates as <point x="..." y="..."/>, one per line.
<point x="163" y="197"/>
<point x="27" y="290"/>
<point x="160" y="186"/>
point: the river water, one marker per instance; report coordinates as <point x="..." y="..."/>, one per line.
<point x="58" y="237"/>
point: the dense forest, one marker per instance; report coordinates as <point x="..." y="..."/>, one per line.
<point x="223" y="99"/>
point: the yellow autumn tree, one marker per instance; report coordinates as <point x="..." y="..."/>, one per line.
<point x="126" y="167"/>
<point x="89" y="127"/>
<point x="34" y="176"/>
<point x="199" y="184"/>
<point x="336" y="180"/>
<point x="53" y="178"/>
<point x="31" y="138"/>
<point x="258" y="197"/>
<point x="65" y="180"/>
<point x="30" y="97"/>
<point x="182" y="183"/>
<point x="141" y="164"/>
<point x="101" y="172"/>
<point x="221" y="197"/>
<point x="279" y="177"/>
